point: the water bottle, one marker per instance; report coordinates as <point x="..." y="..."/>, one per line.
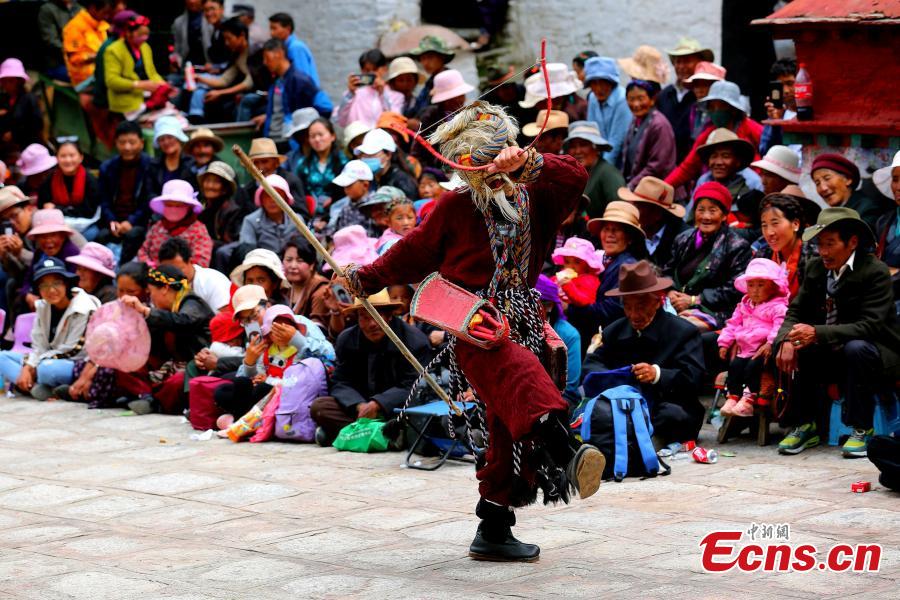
<point x="803" y="94"/>
<point x="190" y="77"/>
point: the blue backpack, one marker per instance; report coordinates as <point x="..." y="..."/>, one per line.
<point x="616" y="419"/>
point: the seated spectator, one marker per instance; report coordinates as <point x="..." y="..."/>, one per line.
<point x="193" y="35"/>
<point x="840" y="329"/>
<point x="448" y="95"/>
<point x="661" y="218"/>
<point x="246" y="13"/>
<point x="221" y="214"/>
<point x="36" y="164"/>
<point x="15" y="248"/>
<point x="371" y="377"/>
<point x="281" y="27"/>
<point x="837" y="179"/>
<point x="310" y="293"/>
<point x="364" y="101"/>
<point x="663" y="351"/>
<point x="579" y="278"/>
<point x="21" y="119"/>
<point x="554" y="135"/>
<point x="779" y="168"/>
<point x="57" y="339"/>
<point x="379" y="151"/>
<point x="203" y="147"/>
<point x="321" y="165"/>
<point x="374" y="209"/>
<point x="217" y="54"/>
<point x="578" y="63"/>
<point x="208" y="284"/>
<point x="607" y="106"/>
<point x="784" y="70"/>
<point x="125" y="190"/>
<point x="433" y="54"/>
<point x="52" y="19"/>
<point x="179" y="207"/>
<point x="353" y="135"/>
<point x="71" y="187"/>
<point x="356" y="180"/>
<point x="394" y="123"/>
<point x="352" y="245"/>
<point x="568" y="334"/>
<point x="783" y="219"/>
<point x="401" y="219"/>
<point x="266" y="157"/>
<point x="226" y="352"/>
<point x="887" y="180"/>
<point x="705" y="73"/>
<point x="263" y="268"/>
<point x="706" y="260"/>
<point x="402" y="77"/>
<point x="172" y="162"/>
<point x="586" y="144"/>
<point x="52" y="239"/>
<point x="82" y="37"/>
<point x="291" y="90"/>
<point x="678" y="99"/>
<point x="649" y="145"/>
<point x="96" y="270"/>
<point x="220" y="91"/>
<point x="299" y="136"/>
<point x="268" y="227"/>
<point x="430" y="188"/>
<point x="129" y="71"/>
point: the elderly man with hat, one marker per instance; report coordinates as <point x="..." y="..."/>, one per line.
<point x="587" y="146"/>
<point x="661" y="218"/>
<point x="265" y="156"/>
<point x="203" y="146"/>
<point x="606" y="104"/>
<point x="840" y="328"/>
<point x="433" y="54"/>
<point x="676" y="99"/>
<point x="663" y="351"/>
<point x="837" y="181"/>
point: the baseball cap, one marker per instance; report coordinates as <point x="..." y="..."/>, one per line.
<point x="376" y="141"/>
<point x="247" y="297"/>
<point x="353" y="171"/>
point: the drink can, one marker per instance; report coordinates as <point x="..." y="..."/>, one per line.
<point x="861" y="487"/>
<point x="702" y="455"/>
<point x="689" y="446"/>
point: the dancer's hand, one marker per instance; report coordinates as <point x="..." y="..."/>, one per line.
<point x="509" y="160"/>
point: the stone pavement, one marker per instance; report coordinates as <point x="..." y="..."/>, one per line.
<point x="97" y="505"/>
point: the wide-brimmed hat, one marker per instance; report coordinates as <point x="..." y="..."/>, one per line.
<point x="581" y="249"/>
<point x="624" y="213"/>
<point x="376" y="140"/>
<point x="601" y="67"/>
<point x="639" y="278"/>
<point x="380" y="300"/>
<point x="353" y="171"/>
<point x="168" y="125"/>
<point x="260" y="257"/>
<point x="881" y="178"/>
<point x="96" y="257"/>
<point x="646" y="63"/>
<point x="223" y="170"/>
<point x="48" y="220"/>
<point x="247" y="297"/>
<point x="839" y="164"/>
<point x="11" y="195"/>
<point x="354" y="130"/>
<point x="275" y="312"/>
<point x="383" y="195"/>
<point x="728" y="92"/>
<point x="279" y="183"/>
<point x="563" y="82"/>
<point x="449" y="84"/>
<point x="838" y="214"/>
<point x="353" y="245"/>
<point x="176" y="190"/>
<point x="687" y="46"/>
<point x="781" y="161"/>
<point x="403" y="65"/>
<point x="13" y="68"/>
<point x="707" y="71"/>
<point x="203" y="134"/>
<point x="51" y="265"/>
<point x="655" y="191"/>
<point x="432" y="43"/>
<point x="715" y="191"/>
<point x="35" y="159"/>
<point x="763" y="268"/>
<point x="301" y="119"/>
<point x="587" y="130"/>
<point x="725" y="137"/>
<point x="265" y="148"/>
<point x="557" y="120"/>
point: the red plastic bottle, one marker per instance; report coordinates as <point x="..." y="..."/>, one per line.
<point x="803" y="94"/>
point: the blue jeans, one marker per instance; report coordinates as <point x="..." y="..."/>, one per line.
<point x="252" y="104"/>
<point x="51" y="372"/>
<point x="198" y="104"/>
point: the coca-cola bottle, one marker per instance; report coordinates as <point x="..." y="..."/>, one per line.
<point x="190" y="77"/>
<point x="803" y="94"/>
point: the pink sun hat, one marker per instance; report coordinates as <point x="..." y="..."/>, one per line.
<point x="449" y="84"/>
<point x="352" y="245"/>
<point x="96" y="257"/>
<point x="35" y="159"/>
<point x="581" y="249"/>
<point x="176" y="190"/>
<point x="763" y="268"/>
<point x="278" y="182"/>
<point x="274" y="312"/>
<point x="48" y="220"/>
<point x="13" y="68"/>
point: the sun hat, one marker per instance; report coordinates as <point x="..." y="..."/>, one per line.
<point x="96" y="257"/>
<point x="168" y="125"/>
<point x="558" y="120"/>
<point x="881" y="178"/>
<point x="380" y="300"/>
<point x="639" y="278"/>
<point x="11" y="195"/>
<point x="35" y="159"/>
<point x="301" y="119"/>
<point x="265" y="148"/>
<point x="449" y="84"/>
<point x="353" y="171"/>
<point x="352" y="245"/>
<point x="403" y="65"/>
<point x="354" y="130"/>
<point x="260" y="257"/>
<point x="581" y="249"/>
<point x="707" y="71"/>
<point x="715" y="191"/>
<point x="838" y="163"/>
<point x="620" y="212"/>
<point x="388" y="119"/>
<point x="646" y="63"/>
<point x="247" y="297"/>
<point x="563" y="82"/>
<point x="549" y="291"/>
<point x="687" y="46"/>
<point x="725" y="137"/>
<point x="203" y="134"/>
<point x="176" y="190"/>
<point x="376" y="140"/>
<point x="781" y="161"/>
<point x="383" y="195"/>
<point x="223" y="170"/>
<point x="833" y="215"/>
<point x="587" y="130"/>
<point x="601" y="67"/>
<point x="763" y="268"/>
<point x="48" y="220"/>
<point x="728" y="92"/>
<point x="279" y="183"/>
<point x="13" y="68"/>
<point x="432" y="43"/>
<point x="51" y="265"/>
<point x="655" y="191"/>
<point x="223" y="328"/>
<point x="274" y="312"/>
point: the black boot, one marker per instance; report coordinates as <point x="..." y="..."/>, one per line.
<point x="494" y="540"/>
<point x="583" y="463"/>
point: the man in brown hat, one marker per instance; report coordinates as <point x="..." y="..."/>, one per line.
<point x="664" y="352"/>
<point x="661" y="218"/>
<point x="676" y="99"/>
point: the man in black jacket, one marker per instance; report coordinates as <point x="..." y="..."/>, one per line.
<point x="661" y="218"/>
<point x="371" y="378"/>
<point x="663" y="351"/>
<point x="676" y="99"/>
<point x="840" y="328"/>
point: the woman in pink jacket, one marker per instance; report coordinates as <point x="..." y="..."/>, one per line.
<point x="749" y="333"/>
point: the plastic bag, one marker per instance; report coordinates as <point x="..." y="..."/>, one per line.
<point x="117" y="337"/>
<point x="363" y="435"/>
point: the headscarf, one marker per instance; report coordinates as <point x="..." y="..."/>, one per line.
<point x="167" y="275"/>
<point x="549" y="292"/>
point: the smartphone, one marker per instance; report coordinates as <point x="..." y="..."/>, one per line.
<point x="342" y="295"/>
<point x="365" y="78"/>
<point x="7" y="230"/>
<point x="776" y="94"/>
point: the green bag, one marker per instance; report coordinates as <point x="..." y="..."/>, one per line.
<point x="363" y="435"/>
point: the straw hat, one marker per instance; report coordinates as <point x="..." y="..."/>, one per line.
<point x="176" y="190"/>
<point x="651" y="190"/>
<point x="96" y="257"/>
<point x="558" y="120"/>
<point x="725" y="137"/>
<point x="404" y="65"/>
<point x="781" y="161"/>
<point x="10" y="196"/>
<point x="646" y="63"/>
<point x="223" y="170"/>
<point x="48" y="220"/>
<point x="203" y="134"/>
<point x="687" y="46"/>
<point x="587" y="130"/>
<point x="639" y="278"/>
<point x="380" y="300"/>
<point x="264" y="148"/>
<point x="260" y="257"/>
<point x="354" y="130"/>
<point x="620" y="212"/>
<point x="449" y="84"/>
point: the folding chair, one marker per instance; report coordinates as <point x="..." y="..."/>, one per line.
<point x="451" y="449"/>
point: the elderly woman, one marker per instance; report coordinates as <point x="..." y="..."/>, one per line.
<point x="587" y="146"/>
<point x="887" y="231"/>
<point x="263" y="268"/>
<point x="221" y="214"/>
<point x="96" y="270"/>
<point x="837" y="179"/>
<point x="779" y="168"/>
<point x="706" y="260"/>
<point x="172" y="162"/>
<point x="129" y="71"/>
<point x="783" y="218"/>
<point x="310" y="293"/>
<point x="649" y="148"/>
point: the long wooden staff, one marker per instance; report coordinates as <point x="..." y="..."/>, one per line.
<point x="304" y="230"/>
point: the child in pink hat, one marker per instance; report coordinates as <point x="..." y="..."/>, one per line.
<point x="179" y="208"/>
<point x="579" y="280"/>
<point x="750" y="332"/>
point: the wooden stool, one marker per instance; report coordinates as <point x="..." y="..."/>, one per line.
<point x="761" y="419"/>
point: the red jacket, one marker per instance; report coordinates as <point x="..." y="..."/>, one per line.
<point x="692" y="166"/>
<point x="582" y="291"/>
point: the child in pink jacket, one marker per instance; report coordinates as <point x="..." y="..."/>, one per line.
<point x="749" y="333"/>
